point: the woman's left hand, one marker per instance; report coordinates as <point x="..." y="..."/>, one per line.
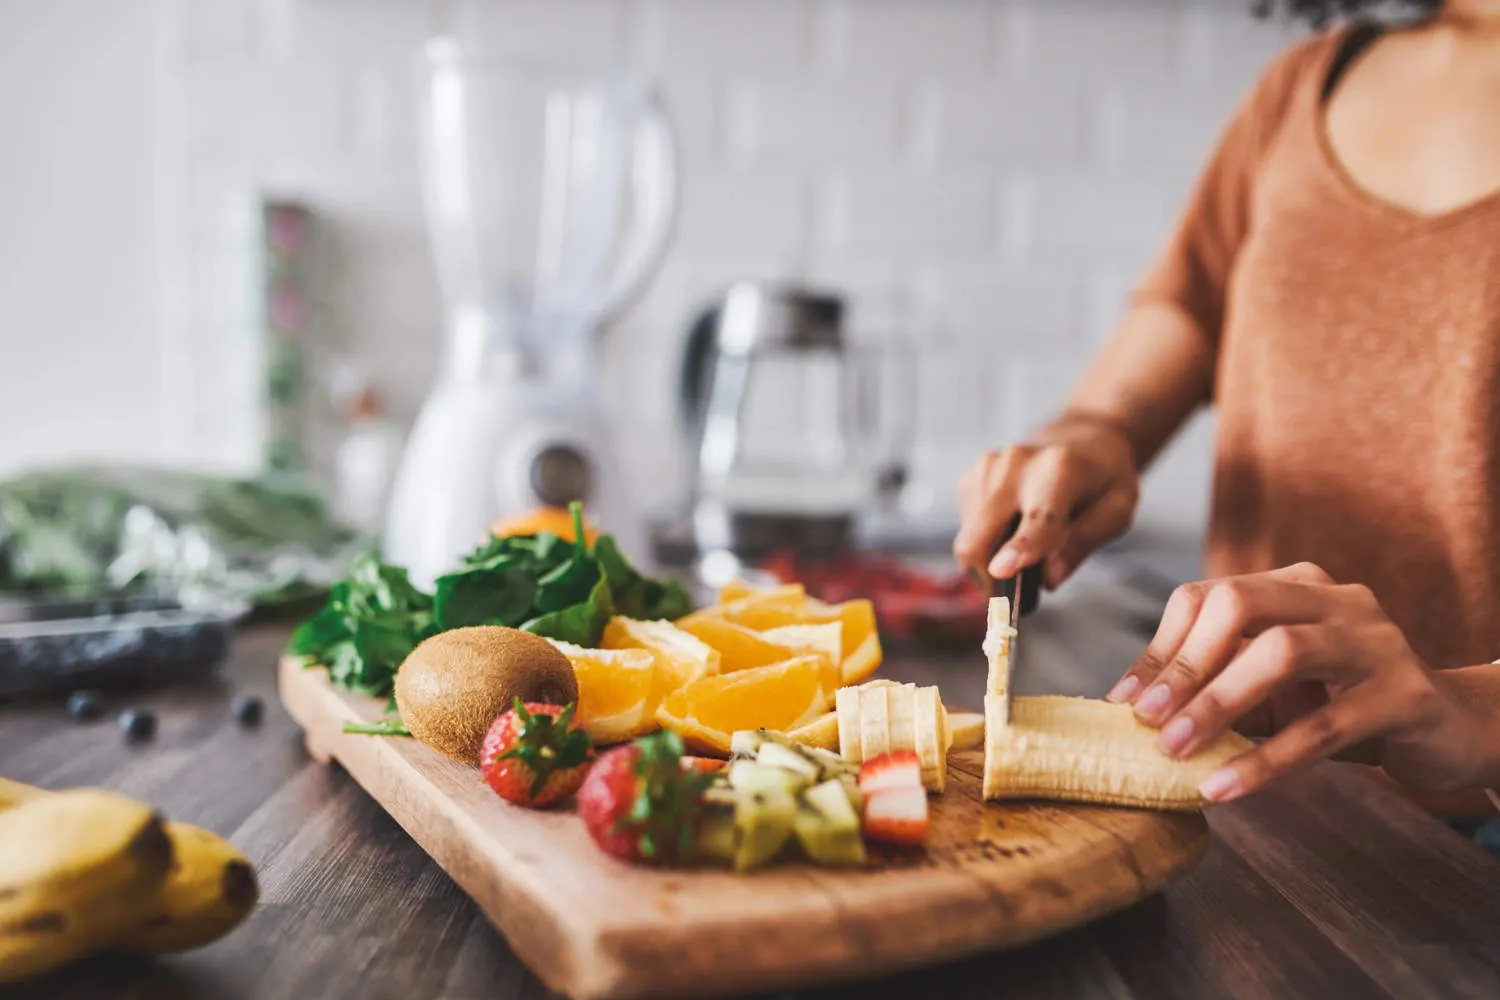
<point x="1293" y="639"/>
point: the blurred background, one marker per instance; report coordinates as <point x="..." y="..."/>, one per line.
<point x="220" y="219"/>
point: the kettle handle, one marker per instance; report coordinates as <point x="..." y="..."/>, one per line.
<point x="654" y="193"/>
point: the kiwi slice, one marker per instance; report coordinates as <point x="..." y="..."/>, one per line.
<point x="827" y="826"/>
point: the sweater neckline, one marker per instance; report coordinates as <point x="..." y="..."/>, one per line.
<point x="1350" y="186"/>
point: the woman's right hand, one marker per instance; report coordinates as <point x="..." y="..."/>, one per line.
<point x="1075" y="486"/>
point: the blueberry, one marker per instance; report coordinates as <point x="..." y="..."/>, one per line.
<point x="137" y="724"/>
<point x="248" y="710"/>
<point x="85" y="706"/>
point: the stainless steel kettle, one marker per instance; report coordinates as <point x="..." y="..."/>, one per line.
<point x="789" y="441"/>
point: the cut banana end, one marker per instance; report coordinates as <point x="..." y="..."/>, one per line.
<point x="1085" y="750"/>
<point x="997" y="637"/>
<point x="882" y="716"/>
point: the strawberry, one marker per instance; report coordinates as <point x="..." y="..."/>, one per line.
<point x="535" y="754"/>
<point x="897" y="769"/>
<point x="897" y="815"/>
<point x="640" y="802"/>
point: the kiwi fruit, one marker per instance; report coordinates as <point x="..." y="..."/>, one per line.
<point x="451" y="687"/>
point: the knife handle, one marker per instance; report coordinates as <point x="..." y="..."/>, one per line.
<point x="1029" y="583"/>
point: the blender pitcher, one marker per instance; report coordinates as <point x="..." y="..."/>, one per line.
<point x="550" y="197"/>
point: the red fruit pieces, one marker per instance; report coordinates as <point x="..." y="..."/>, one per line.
<point x="643" y="802"/>
<point x="897" y="769"/>
<point x="535" y="755"/>
<point x="606" y="799"/>
<point x="897" y="816"/>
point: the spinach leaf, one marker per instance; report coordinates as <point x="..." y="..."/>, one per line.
<point x="371" y="622"/>
<point x="500" y="592"/>
<point x="635" y="595"/>
<point x="391" y="725"/>
<point x="581" y="624"/>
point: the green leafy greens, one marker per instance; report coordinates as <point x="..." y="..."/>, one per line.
<point x="540" y="583"/>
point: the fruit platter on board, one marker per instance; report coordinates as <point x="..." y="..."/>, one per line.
<point x="616" y="777"/>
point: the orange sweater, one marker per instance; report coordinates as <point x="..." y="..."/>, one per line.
<point x="1358" y="370"/>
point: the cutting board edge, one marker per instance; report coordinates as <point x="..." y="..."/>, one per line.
<point x="370" y="761"/>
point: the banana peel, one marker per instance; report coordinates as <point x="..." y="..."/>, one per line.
<point x="203" y="890"/>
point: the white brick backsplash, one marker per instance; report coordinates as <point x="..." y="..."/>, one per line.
<point x="1063" y="45"/>
<point x="767" y="38"/>
<point x="573" y="33"/>
<point x="1156" y="130"/>
<point x="987" y="177"/>
<point x="1090" y="214"/>
<point x="752" y="210"/>
<point x="1005" y="307"/>
<point x="912" y="215"/>
<point x="1009" y="125"/>
<point x="897" y="39"/>
<point x="816" y="124"/>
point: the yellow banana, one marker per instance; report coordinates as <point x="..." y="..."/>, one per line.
<point x="882" y="716"/>
<point x="13" y="793"/>
<point x="211" y="888"/>
<point x="1086" y="750"/>
<point x="75" y="868"/>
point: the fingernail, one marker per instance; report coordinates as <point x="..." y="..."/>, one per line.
<point x="1220" y="786"/>
<point x="1003" y="566"/>
<point x="1175" y="735"/>
<point x="1125" y="688"/>
<point x="1153" y="705"/>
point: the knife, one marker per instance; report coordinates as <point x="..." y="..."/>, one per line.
<point x="1023" y="592"/>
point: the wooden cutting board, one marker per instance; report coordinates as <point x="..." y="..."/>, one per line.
<point x="993" y="875"/>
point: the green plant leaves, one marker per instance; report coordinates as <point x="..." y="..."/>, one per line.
<point x="541" y="583"/>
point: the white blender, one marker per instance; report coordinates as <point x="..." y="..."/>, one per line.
<point x="550" y="198"/>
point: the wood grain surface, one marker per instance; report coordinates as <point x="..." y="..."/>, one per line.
<point x="1324" y="886"/>
<point x="595" y="928"/>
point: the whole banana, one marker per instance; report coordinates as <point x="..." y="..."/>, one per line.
<point x="208" y="890"/>
<point x="74" y="869"/>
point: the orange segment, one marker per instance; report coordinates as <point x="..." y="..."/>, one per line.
<point x="781" y="696"/>
<point x="615" y="701"/>
<point x="735" y="590"/>
<point x="863" y="661"/>
<point x="681" y="657"/>
<point x="739" y="648"/>
<point x="788" y="599"/>
<point x="827" y="638"/>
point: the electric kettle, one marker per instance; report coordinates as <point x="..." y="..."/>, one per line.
<point x="793" y="431"/>
<point x="550" y="198"/>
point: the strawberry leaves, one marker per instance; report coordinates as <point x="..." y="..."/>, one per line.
<point x="669" y="799"/>
<point x="547" y="744"/>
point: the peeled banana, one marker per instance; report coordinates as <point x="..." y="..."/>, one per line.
<point x="1081" y="749"/>
<point x="882" y="716"/>
<point x="1085" y="750"/>
<point x="74" y="867"/>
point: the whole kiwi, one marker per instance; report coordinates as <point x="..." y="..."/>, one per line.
<point x="451" y="687"/>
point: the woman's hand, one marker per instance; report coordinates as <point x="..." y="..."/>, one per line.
<point x="1075" y="488"/>
<point x="1320" y="663"/>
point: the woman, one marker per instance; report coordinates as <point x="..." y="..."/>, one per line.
<point x="1333" y="288"/>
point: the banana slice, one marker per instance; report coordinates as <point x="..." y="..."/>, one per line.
<point x="901" y="707"/>
<point x="965" y="730"/>
<point x="875" y="721"/>
<point x="931" y="738"/>
<point x="846" y="708"/>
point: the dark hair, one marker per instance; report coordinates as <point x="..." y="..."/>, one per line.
<point x="1320" y="12"/>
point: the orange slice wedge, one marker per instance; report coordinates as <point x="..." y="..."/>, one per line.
<point x="784" y="696"/>
<point x="741" y="648"/>
<point x="681" y="657"/>
<point x="615" y="699"/>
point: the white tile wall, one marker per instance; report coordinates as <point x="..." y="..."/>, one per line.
<point x="1014" y="164"/>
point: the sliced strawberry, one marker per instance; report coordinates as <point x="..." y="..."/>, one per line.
<point x="897" y="816"/>
<point x="897" y="769"/>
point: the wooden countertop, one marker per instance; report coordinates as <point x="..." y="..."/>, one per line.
<point x="1326" y="886"/>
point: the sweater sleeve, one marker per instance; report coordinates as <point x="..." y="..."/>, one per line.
<point x="1193" y="270"/>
